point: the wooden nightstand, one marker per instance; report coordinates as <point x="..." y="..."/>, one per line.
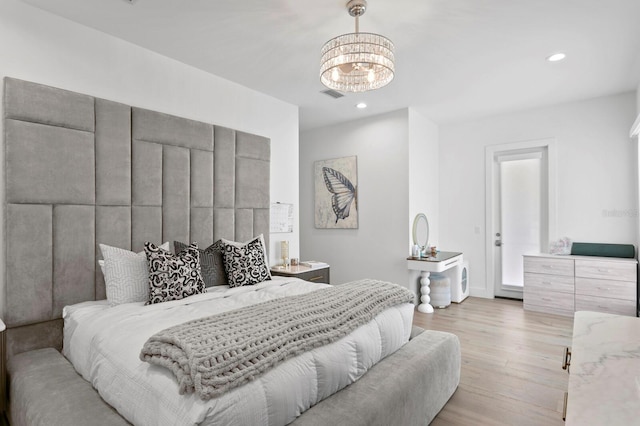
<point x="316" y="275"/>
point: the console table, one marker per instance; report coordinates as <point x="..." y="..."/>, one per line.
<point x="441" y="262"/>
<point x="603" y="378"/>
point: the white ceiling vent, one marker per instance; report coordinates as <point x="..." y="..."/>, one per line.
<point x="333" y="93"/>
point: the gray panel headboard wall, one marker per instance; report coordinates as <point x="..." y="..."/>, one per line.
<point x="82" y="171"/>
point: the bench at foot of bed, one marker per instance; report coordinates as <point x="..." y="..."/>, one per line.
<point x="407" y="388"/>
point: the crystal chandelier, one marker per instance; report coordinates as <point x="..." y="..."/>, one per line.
<point x="357" y="62"/>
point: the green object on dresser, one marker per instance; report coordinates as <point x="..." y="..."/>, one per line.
<point x="603" y="250"/>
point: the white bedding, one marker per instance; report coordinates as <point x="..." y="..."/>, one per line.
<point x="103" y="343"/>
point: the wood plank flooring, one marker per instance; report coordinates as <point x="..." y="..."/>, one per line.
<point x="511" y="363"/>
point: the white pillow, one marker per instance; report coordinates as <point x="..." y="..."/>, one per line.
<point x="126" y="274"/>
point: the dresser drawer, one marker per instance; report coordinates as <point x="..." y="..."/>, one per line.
<point x="316" y="275"/>
<point x="548" y="309"/>
<point x="547" y="265"/>
<point x="548" y="283"/>
<point x="606" y="288"/>
<point x="620" y="271"/>
<point x="606" y="305"/>
<point x="552" y="302"/>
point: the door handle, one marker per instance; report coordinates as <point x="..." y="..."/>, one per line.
<point x="498" y="241"/>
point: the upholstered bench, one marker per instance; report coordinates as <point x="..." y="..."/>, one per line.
<point x="46" y="390"/>
<point x="418" y="379"/>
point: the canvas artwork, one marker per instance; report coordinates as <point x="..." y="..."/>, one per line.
<point x="336" y="195"/>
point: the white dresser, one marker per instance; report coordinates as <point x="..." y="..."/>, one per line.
<point x="565" y="284"/>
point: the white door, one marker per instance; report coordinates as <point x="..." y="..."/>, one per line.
<point x="520" y="215"/>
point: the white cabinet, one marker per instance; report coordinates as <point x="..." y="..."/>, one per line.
<point x="549" y="285"/>
<point x="603" y="379"/>
<point x="565" y="284"/>
<point x="606" y="286"/>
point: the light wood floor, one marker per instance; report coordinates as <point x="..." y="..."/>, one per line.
<point x="511" y="363"/>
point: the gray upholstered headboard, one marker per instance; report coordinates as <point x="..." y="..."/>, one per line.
<point x="82" y="171"/>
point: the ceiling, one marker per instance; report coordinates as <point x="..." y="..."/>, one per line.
<point x="455" y="59"/>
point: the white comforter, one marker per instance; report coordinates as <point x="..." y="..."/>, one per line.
<point x="103" y="343"/>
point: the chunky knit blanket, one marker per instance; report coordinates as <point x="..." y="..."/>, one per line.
<point x="211" y="355"/>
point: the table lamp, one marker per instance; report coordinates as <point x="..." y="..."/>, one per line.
<point x="284" y="253"/>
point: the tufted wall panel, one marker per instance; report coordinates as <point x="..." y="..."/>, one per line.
<point x="82" y="171"/>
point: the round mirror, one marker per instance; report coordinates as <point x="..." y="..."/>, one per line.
<point x="421" y="231"/>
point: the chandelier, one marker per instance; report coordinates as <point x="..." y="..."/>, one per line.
<point x="357" y="62"/>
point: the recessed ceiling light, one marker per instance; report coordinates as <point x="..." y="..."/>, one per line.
<point x="361" y="105"/>
<point x="556" y="57"/>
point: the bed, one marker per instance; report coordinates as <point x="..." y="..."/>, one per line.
<point x="139" y="176"/>
<point x="302" y="380"/>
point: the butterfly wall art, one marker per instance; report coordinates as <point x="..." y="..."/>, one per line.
<point x="336" y="193"/>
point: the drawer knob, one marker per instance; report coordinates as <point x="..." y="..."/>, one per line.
<point x="566" y="361"/>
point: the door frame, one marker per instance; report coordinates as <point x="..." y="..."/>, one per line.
<point x="491" y="152"/>
<point x="500" y="289"/>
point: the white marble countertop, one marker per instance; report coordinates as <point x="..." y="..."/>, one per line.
<point x="604" y="381"/>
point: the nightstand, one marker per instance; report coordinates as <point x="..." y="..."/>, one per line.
<point x="3" y="375"/>
<point x="316" y="275"/>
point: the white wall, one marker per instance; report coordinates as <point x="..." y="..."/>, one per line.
<point x="424" y="173"/>
<point x="378" y="248"/>
<point x="597" y="177"/>
<point x="635" y="142"/>
<point x="40" y="47"/>
<point x="397" y="178"/>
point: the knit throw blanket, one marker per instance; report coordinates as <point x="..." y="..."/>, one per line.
<point x="214" y="354"/>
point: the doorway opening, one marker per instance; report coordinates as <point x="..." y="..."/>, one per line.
<point x="520" y="203"/>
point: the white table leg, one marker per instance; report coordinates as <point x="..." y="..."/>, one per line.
<point x="425" y="307"/>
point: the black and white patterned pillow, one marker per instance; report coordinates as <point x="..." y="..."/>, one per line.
<point x="211" y="262"/>
<point x="171" y="276"/>
<point x="246" y="264"/>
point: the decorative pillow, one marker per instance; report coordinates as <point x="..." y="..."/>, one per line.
<point x="211" y="262"/>
<point x="173" y="276"/>
<point x="246" y="264"/>
<point x="237" y="244"/>
<point x="126" y="274"/>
